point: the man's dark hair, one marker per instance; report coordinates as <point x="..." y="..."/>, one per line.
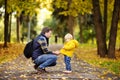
<point x="45" y="29"/>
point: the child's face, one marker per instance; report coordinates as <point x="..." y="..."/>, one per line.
<point x="67" y="39"/>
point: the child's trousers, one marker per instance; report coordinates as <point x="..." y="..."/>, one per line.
<point x="67" y="62"/>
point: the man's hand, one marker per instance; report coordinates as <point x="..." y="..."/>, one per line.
<point x="56" y="52"/>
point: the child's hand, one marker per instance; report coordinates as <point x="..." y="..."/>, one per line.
<point x="56" y="52"/>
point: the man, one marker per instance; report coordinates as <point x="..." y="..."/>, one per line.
<point x="42" y="57"/>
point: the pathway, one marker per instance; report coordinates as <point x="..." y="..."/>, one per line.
<point x="22" y="69"/>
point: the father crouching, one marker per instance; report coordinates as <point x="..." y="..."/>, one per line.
<point x="41" y="56"/>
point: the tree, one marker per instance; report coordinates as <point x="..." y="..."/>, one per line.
<point x="18" y="29"/>
<point x="105" y="23"/>
<point x="29" y="9"/>
<point x="6" y="21"/>
<point x="113" y="30"/>
<point x="101" y="30"/>
<point x="18" y="6"/>
<point x="71" y="9"/>
<point x="101" y="42"/>
<point x="86" y="27"/>
<point x="105" y="17"/>
<point x="81" y="21"/>
<point x="9" y="28"/>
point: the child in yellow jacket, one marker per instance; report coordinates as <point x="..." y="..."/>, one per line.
<point x="68" y="49"/>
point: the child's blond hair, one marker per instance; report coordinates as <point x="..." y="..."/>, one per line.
<point x="68" y="36"/>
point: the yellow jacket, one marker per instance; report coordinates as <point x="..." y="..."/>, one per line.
<point x="69" y="47"/>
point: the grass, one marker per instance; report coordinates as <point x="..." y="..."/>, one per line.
<point x="88" y="53"/>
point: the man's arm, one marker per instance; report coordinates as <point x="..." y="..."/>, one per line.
<point x="43" y="43"/>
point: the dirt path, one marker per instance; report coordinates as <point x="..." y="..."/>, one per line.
<point x="22" y="69"/>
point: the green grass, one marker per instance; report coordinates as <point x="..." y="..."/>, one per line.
<point x="112" y="66"/>
<point x="88" y="53"/>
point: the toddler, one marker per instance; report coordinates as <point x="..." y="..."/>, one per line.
<point x="68" y="49"/>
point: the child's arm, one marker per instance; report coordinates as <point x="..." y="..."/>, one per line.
<point x="69" y="46"/>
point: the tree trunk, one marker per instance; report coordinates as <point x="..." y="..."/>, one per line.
<point x="29" y="27"/>
<point x="81" y="21"/>
<point x="70" y="21"/>
<point x="105" y="17"/>
<point x="29" y="31"/>
<point x="6" y="21"/>
<point x="9" y="28"/>
<point x="113" y="30"/>
<point x="18" y="29"/>
<point x="70" y="24"/>
<point x="56" y="38"/>
<point x="105" y="22"/>
<point x="99" y="29"/>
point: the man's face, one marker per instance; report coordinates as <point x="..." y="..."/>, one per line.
<point x="48" y="34"/>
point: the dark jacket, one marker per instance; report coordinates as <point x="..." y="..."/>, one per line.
<point x="40" y="46"/>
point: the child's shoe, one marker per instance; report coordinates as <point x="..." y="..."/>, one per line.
<point x="68" y="72"/>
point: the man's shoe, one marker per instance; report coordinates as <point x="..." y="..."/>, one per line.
<point x="40" y="71"/>
<point x="35" y="66"/>
<point x="44" y="70"/>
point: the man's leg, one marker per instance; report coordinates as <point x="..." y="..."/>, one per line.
<point x="53" y="64"/>
<point x="46" y="60"/>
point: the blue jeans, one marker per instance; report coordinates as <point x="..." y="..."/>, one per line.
<point x="67" y="62"/>
<point x="46" y="60"/>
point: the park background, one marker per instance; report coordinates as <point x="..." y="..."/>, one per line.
<point x="94" y="23"/>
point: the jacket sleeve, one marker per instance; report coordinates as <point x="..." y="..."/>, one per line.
<point x="69" y="46"/>
<point x="76" y="44"/>
<point x="43" y="44"/>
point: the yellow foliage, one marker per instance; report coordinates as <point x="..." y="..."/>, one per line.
<point x="10" y="53"/>
<point x="75" y="8"/>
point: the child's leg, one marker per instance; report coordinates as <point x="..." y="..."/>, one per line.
<point x="67" y="62"/>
